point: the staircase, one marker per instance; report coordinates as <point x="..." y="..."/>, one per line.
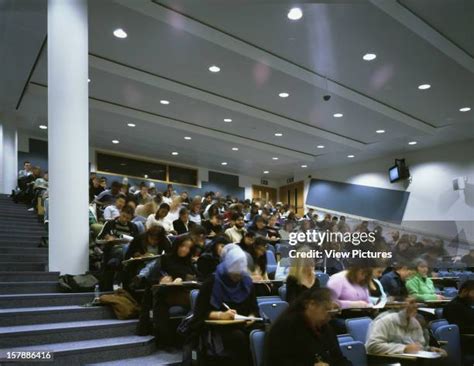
<point x="35" y="316"/>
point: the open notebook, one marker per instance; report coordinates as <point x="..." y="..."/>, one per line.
<point x="423" y="354"/>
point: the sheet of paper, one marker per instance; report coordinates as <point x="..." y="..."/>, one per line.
<point x="428" y="310"/>
<point x="243" y="317"/>
<point x="423" y="354"/>
<point x="381" y="304"/>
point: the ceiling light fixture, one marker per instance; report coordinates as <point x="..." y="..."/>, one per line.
<point x="235" y="149"/>
<point x="187" y="137"/>
<point x="337" y="115"/>
<point x="369" y="56"/>
<point x="320" y="146"/>
<point x="115" y="141"/>
<point x="424" y="86"/>
<point x="284" y="95"/>
<point x="304" y="166"/>
<point x="295" y="14"/>
<point x="278" y="134"/>
<point x="464" y="109"/>
<point x="120" y="33"/>
<point x="228" y="120"/>
<point x="266" y="172"/>
<point x="166" y="102"/>
<point x="351" y="156"/>
<point x="88" y="80"/>
<point x="275" y="158"/>
<point x="214" y="68"/>
<point x="174" y="153"/>
<point x="131" y="124"/>
<point x="224" y="163"/>
<point x="412" y="143"/>
<point x="43" y="127"/>
<point x="380" y="131"/>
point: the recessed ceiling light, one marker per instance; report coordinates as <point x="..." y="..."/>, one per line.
<point x="266" y="172"/>
<point x="146" y="176"/>
<point x="369" y="56"/>
<point x="115" y="141"/>
<point x="337" y="115"/>
<point x="278" y="134"/>
<point x="465" y="109"/>
<point x="43" y="127"/>
<point x="228" y="120"/>
<point x="284" y="95"/>
<point x="235" y="149"/>
<point x="187" y="137"/>
<point x="380" y="131"/>
<point x="224" y="163"/>
<point x="304" y="166"/>
<point x="424" y="86"/>
<point x="164" y="101"/>
<point x="412" y="143"/>
<point x="120" y="33"/>
<point x="350" y="156"/>
<point x="295" y="14"/>
<point x="214" y="68"/>
<point x="174" y="153"/>
<point x="88" y="80"/>
<point x="320" y="146"/>
<point x="275" y="158"/>
<point x="131" y="124"/>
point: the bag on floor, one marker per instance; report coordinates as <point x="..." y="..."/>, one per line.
<point x="79" y="283"/>
<point x="122" y="303"/>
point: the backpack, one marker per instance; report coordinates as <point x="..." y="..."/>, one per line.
<point x="79" y="283"/>
<point x="122" y="303"/>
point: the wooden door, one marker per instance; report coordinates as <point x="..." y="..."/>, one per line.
<point x="264" y="193"/>
<point x="293" y="195"/>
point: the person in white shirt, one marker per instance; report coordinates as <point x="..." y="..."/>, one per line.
<point x="236" y="232"/>
<point x="26" y="171"/>
<point x="113" y="211"/>
<point x="160" y="218"/>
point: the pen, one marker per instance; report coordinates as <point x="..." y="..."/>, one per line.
<point x="226" y="306"/>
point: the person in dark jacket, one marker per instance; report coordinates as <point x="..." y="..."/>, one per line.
<point x="393" y="282"/>
<point x="211" y="257"/>
<point x="460" y="311"/>
<point x="301" y="277"/>
<point x="312" y="342"/>
<point x="182" y="225"/>
<point x="213" y="226"/>
<point x="227" y="293"/>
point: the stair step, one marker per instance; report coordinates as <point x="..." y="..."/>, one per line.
<point x="21" y="251"/>
<point x="32" y="287"/>
<point x="28" y="276"/>
<point x="36" y="334"/>
<point x="53" y="314"/>
<point x="15" y="258"/>
<point x="23" y="230"/>
<point x="159" y="358"/>
<point x="19" y="243"/>
<point x="94" y="350"/>
<point x="20" y="266"/>
<point x="42" y="300"/>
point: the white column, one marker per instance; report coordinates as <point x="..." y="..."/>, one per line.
<point x="9" y="159"/>
<point x="68" y="135"/>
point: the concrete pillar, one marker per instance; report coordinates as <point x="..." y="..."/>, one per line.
<point x="9" y="158"/>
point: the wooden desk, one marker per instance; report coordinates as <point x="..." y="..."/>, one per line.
<point x="224" y="322"/>
<point x="141" y="259"/>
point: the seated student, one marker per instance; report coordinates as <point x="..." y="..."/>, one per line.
<point x="393" y="282"/>
<point x="228" y="292"/>
<point x="113" y="254"/>
<point x="350" y="287"/>
<point x="175" y="268"/>
<point x="142" y="196"/>
<point x="302" y="334"/>
<point x="95" y="188"/>
<point x="273" y="229"/>
<point x="246" y="244"/>
<point x="398" y="332"/>
<point x="211" y="257"/>
<point x="460" y="311"/>
<point x="213" y="226"/>
<point x="113" y="211"/>
<point x="182" y="225"/>
<point x="143" y="211"/>
<point x="108" y="196"/>
<point x="420" y="286"/>
<point x="468" y="259"/>
<point x="152" y="242"/>
<point x="258" y="266"/>
<point x="160" y="218"/>
<point x="236" y="232"/>
<point x="376" y="291"/>
<point x="195" y="211"/>
<point x="175" y="207"/>
<point x="301" y="277"/>
<point x="198" y="236"/>
<point x="258" y="226"/>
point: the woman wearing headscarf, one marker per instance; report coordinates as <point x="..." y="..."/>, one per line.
<point x="228" y="292"/>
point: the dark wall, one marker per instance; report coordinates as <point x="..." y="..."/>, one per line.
<point x="38" y="154"/>
<point x="375" y="203"/>
<point x="218" y="182"/>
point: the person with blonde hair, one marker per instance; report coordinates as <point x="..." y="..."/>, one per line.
<point x="301" y="276"/>
<point x="146" y="210"/>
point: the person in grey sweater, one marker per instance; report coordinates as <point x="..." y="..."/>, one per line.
<point x="398" y="332"/>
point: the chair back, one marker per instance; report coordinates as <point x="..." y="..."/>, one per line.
<point x="450" y="333"/>
<point x="272" y="310"/>
<point x="355" y="352"/>
<point x="270" y="298"/>
<point x="282" y="292"/>
<point x="257" y="340"/>
<point x="271" y="263"/>
<point x="435" y="324"/>
<point x="193" y="297"/>
<point x="358" y="328"/>
<point x="344" y="338"/>
<point x="323" y="278"/>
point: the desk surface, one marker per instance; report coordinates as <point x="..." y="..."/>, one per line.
<point x="224" y="322"/>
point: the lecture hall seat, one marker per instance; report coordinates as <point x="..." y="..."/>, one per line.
<point x="358" y="328"/>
